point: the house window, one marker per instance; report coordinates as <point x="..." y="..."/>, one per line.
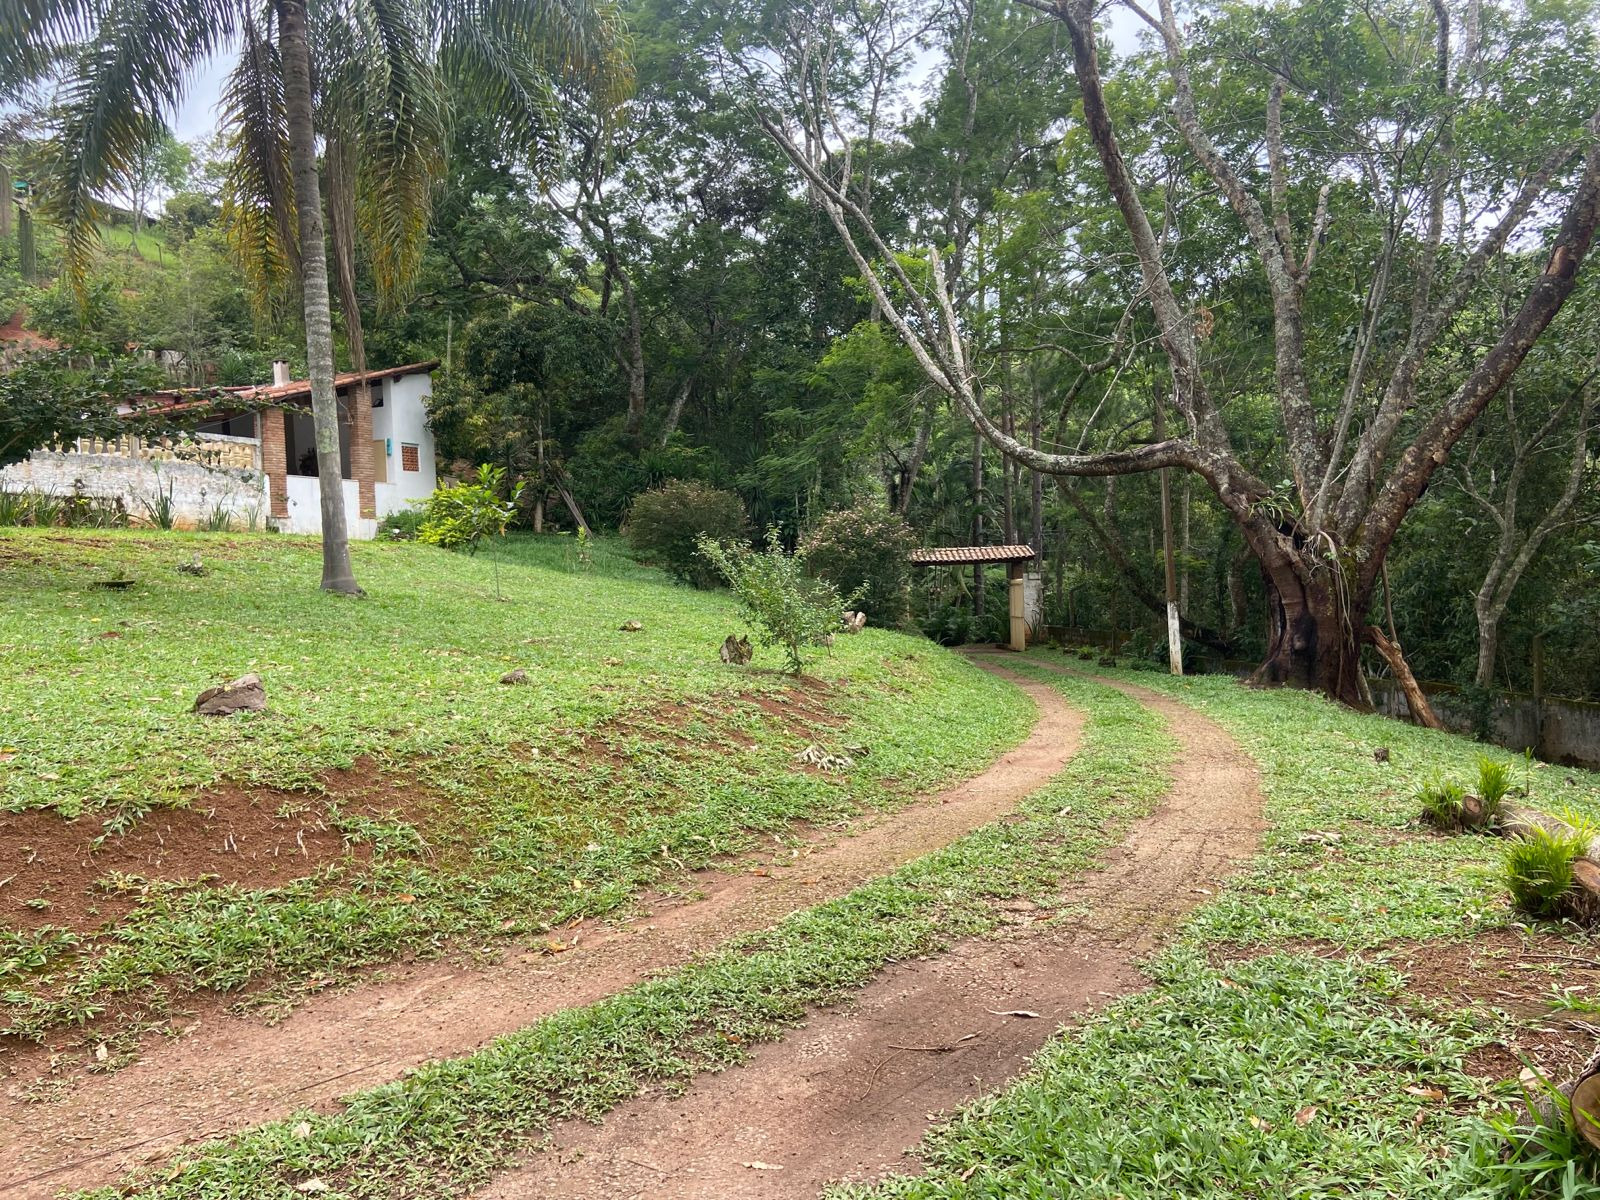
<point x="408" y="457"/>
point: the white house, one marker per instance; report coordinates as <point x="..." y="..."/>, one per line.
<point x="258" y="462"/>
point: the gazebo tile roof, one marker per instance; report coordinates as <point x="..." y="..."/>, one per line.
<point x="941" y="555"/>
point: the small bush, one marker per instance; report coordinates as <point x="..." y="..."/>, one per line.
<point x="1494" y="784"/>
<point x="866" y="549"/>
<point x="161" y="510"/>
<point x="462" y="516"/>
<point x="401" y="526"/>
<point x="1442" y="803"/>
<point x="666" y="525"/>
<point x="789" y="608"/>
<point x="1538" y="870"/>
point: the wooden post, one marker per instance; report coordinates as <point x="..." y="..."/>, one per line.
<point x="1538" y="694"/>
<point x="1174" y="636"/>
<point x="1019" y="624"/>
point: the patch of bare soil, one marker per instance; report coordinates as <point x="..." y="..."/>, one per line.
<point x="77" y="875"/>
<point x="1516" y="972"/>
<point x="1520" y="973"/>
<point x="850" y="1095"/>
<point x="227" y="1072"/>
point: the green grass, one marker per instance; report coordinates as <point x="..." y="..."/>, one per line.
<point x="447" y="1126"/>
<point x="517" y="842"/>
<point x="1284" y="1074"/>
<point x="148" y="243"/>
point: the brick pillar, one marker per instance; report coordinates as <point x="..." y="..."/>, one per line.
<point x="361" y="466"/>
<point x="274" y="458"/>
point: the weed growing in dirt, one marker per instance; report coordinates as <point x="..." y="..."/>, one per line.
<point x="1494" y="784"/>
<point x="1442" y="802"/>
<point x="448" y="1124"/>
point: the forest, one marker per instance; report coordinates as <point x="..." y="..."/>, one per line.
<point x="1311" y="281"/>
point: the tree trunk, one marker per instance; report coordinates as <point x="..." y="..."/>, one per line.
<point x="1488" y="648"/>
<point x="1421" y="711"/>
<point x="977" y="523"/>
<point x="294" y="44"/>
<point x="342" y="213"/>
<point x="1313" y="640"/>
<point x="675" y="412"/>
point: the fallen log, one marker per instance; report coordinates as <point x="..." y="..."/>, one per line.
<point x="1584" y="1097"/>
<point x="1421" y="711"/>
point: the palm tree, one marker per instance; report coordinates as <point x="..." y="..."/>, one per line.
<point x="373" y="78"/>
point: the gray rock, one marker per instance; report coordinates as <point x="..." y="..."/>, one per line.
<point x="244" y="694"/>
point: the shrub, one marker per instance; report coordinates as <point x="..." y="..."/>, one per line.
<point x="1442" y="803"/>
<point x="666" y="524"/>
<point x="460" y="517"/>
<point x="866" y="549"/>
<point x="1539" y="870"/>
<point x="401" y="526"/>
<point x="789" y="608"/>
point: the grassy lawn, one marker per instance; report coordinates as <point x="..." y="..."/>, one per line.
<point x="445" y="1127"/>
<point x="628" y="756"/>
<point x="1280" y="1054"/>
<point x="149" y="244"/>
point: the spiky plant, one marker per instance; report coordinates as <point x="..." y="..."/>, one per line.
<point x="1494" y="784"/>
<point x="1538" y="869"/>
<point x="1442" y="802"/>
<point x="378" y="94"/>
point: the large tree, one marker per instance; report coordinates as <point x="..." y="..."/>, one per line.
<point x="1422" y="151"/>
<point x="379" y="76"/>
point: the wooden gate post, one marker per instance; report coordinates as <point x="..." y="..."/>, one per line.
<point x="1019" y="624"/>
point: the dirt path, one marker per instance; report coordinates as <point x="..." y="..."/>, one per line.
<point x="847" y="1096"/>
<point x="228" y="1073"/>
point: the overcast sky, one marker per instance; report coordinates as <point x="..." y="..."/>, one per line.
<point x="197" y="116"/>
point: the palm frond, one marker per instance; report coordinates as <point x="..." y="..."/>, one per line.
<point x="515" y="54"/>
<point x="119" y="83"/>
<point x="37" y="36"/>
<point x="258" y="210"/>
<point x="381" y="95"/>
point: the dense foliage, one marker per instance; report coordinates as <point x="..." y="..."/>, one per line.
<point x="667" y="525"/>
<point x="864" y="550"/>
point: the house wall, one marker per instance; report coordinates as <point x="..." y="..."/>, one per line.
<point x="197" y="489"/>
<point x="403" y="421"/>
<point x="303" y="496"/>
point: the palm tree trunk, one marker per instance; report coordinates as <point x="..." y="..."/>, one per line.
<point x="295" y="47"/>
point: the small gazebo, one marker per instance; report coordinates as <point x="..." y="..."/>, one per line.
<point x="1013" y="556"/>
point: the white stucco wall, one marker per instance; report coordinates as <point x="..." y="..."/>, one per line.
<point x="305" y="509"/>
<point x="403" y="420"/>
<point x="197" y="491"/>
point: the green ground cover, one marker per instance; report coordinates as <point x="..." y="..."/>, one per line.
<point x="1286" y="1073"/>
<point x="447" y="1126"/>
<point x="97" y="728"/>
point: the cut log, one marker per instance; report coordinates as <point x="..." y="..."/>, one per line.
<point x="1421" y="711"/>
<point x="1585" y="1096"/>
<point x="1519" y="821"/>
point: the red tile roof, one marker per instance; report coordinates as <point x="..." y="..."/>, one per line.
<point x="938" y="555"/>
<point x="300" y="389"/>
<point x="269" y="395"/>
